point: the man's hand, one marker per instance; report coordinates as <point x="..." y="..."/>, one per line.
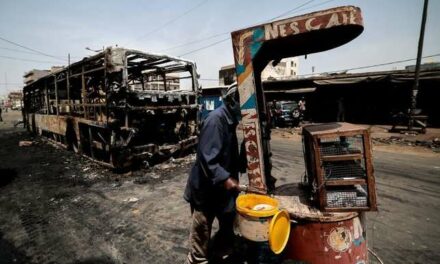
<point x="231" y="184"/>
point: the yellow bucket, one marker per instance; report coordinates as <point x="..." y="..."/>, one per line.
<point x="259" y="219"/>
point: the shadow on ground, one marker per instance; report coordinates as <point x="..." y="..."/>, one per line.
<point x="7" y="176"/>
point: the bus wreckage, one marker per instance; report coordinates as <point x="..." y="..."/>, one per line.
<point x="117" y="107"/>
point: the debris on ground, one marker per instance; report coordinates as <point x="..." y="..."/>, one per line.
<point x="131" y="200"/>
<point x="287" y="132"/>
<point x="154" y="175"/>
<point x="116" y="184"/>
<point x="433" y="144"/>
<point x="25" y="143"/>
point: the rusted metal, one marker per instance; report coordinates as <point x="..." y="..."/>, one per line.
<point x="256" y="46"/>
<point x="106" y="107"/>
<point x="341" y="242"/>
<point x="318" y="237"/>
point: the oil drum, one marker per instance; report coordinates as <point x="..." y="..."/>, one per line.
<point x="319" y="237"/>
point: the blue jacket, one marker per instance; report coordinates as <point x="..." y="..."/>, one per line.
<point x="217" y="159"/>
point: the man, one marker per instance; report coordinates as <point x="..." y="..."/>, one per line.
<point x="302" y="105"/>
<point x="1" y="119"/>
<point x="273" y="114"/>
<point x="340" y="117"/>
<point x="212" y="185"/>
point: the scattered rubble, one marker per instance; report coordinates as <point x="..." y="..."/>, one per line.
<point x="287" y="132"/>
<point x="433" y="144"/>
<point x="25" y="143"/>
<point x="162" y="171"/>
<point x="131" y="200"/>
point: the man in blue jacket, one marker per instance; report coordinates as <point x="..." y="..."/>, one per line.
<point x="212" y="185"/>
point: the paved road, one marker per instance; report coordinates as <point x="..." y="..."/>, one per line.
<point x="56" y="207"/>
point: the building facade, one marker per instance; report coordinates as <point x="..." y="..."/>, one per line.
<point x="285" y="69"/>
<point x="16" y="100"/>
<point x="33" y="75"/>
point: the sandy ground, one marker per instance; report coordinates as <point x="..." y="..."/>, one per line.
<point x="56" y="207"/>
<point x="383" y="140"/>
<point x="404" y="230"/>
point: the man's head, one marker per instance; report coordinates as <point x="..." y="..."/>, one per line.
<point x="232" y="100"/>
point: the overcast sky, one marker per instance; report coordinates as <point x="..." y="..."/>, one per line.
<point x="61" y="27"/>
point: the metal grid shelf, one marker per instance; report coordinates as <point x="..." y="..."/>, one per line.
<point x="343" y="169"/>
<point x="350" y="196"/>
<point x="339" y="168"/>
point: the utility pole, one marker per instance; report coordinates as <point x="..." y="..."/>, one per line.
<point x="68" y="82"/>
<point x="415" y="88"/>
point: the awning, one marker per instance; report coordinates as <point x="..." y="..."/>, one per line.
<point x="295" y="91"/>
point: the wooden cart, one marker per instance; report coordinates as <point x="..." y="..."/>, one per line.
<point x="339" y="169"/>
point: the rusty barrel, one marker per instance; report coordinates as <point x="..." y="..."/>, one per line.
<point x="317" y="237"/>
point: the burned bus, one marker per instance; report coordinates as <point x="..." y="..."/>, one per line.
<point x="118" y="106"/>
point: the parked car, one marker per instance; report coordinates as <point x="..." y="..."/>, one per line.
<point x="283" y="113"/>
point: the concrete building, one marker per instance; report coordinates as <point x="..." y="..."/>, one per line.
<point x="33" y="75"/>
<point x="285" y="69"/>
<point x="424" y="66"/>
<point x="16" y="100"/>
<point x="3" y="101"/>
<point x="227" y="75"/>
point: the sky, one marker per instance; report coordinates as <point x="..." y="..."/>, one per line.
<point x="57" y="28"/>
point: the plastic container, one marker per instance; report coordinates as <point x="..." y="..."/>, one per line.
<point x="260" y="220"/>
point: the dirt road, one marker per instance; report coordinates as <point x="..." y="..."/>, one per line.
<point x="405" y="229"/>
<point x="56" y="207"/>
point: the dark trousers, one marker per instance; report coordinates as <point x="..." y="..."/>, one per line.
<point x="201" y="248"/>
<point x="340" y="116"/>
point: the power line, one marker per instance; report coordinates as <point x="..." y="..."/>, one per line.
<point x="205" y="47"/>
<point x="173" y="20"/>
<point x="371" y="66"/>
<point x="224" y="33"/>
<point x="356" y="68"/>
<point x="195" y="41"/>
<point x="291" y="10"/>
<point x="31" y="53"/>
<point x="30" y="60"/>
<point x="218" y="42"/>
<point x="27" y="48"/>
<point x="310" y="7"/>
<point x="20" y="51"/>
<point x="285" y="13"/>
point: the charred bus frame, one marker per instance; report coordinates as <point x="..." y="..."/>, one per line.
<point x="105" y="107"/>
